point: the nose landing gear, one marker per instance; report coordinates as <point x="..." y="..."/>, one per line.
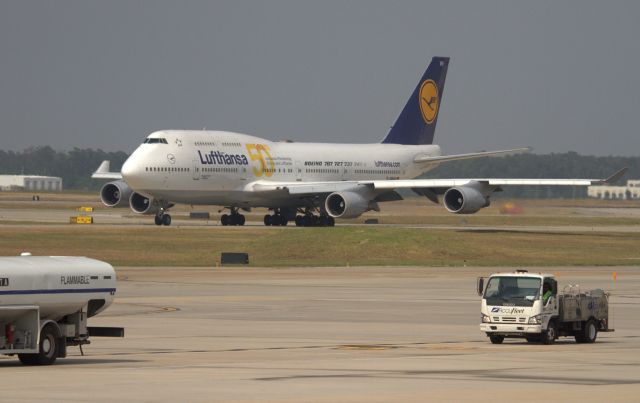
<point x="162" y="218"/>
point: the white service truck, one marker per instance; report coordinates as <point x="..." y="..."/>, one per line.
<point x="528" y="305"/>
<point x="45" y="302"/>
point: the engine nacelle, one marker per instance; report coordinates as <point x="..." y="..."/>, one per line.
<point x="142" y="204"/>
<point x="346" y="204"/>
<point x="465" y="200"/>
<point x="115" y="194"/>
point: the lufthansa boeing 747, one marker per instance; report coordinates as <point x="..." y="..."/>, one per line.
<point x="309" y="183"/>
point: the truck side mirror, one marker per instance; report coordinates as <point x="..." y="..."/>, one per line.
<point x="480" y="285"/>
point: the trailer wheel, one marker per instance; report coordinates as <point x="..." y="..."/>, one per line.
<point x="495" y="339"/>
<point x="48" y="349"/>
<point x="550" y="335"/>
<point x="590" y="331"/>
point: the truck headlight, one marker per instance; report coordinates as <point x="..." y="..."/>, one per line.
<point x="484" y="318"/>
<point x="535" y="320"/>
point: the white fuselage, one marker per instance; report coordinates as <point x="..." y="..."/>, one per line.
<point x="215" y="167"/>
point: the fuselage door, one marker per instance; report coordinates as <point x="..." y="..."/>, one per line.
<point x="196" y="170"/>
<point x="298" y="169"/>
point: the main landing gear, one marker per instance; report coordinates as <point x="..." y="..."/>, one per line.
<point x="310" y="220"/>
<point x="234" y="218"/>
<point x="162" y="218"/>
<point x="278" y="218"/>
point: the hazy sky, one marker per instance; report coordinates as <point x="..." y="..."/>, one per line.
<point x="557" y="76"/>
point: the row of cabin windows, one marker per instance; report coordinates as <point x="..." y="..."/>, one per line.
<point x="273" y="170"/>
<point x="155" y="141"/>
<point x="382" y="171"/>
<point x="279" y="170"/>
<point x="322" y="171"/>
<point x="167" y="169"/>
<point x="221" y="169"/>
<point x="212" y="143"/>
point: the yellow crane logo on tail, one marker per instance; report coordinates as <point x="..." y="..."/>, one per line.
<point x="429" y="101"/>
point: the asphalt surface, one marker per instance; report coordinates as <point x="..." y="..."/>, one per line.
<point x="330" y="334"/>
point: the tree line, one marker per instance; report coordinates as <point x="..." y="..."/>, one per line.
<point x="76" y="166"/>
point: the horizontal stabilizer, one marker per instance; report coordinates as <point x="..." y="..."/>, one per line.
<point x="614" y="178"/>
<point x="103" y="172"/>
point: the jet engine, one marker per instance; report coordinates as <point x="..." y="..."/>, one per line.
<point x="466" y="199"/>
<point x="142" y="204"/>
<point x="115" y="194"/>
<point x="346" y="204"/>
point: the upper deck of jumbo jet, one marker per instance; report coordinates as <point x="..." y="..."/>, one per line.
<point x="193" y="136"/>
<point x="228" y="138"/>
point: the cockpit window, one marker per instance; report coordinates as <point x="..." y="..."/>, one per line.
<point x="156" y="140"/>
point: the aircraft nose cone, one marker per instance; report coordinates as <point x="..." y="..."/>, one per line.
<point x="130" y="172"/>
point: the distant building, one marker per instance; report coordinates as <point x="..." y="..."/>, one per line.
<point x="31" y="182"/>
<point x="629" y="192"/>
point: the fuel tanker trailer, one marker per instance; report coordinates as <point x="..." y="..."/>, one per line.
<point x="45" y="302"/>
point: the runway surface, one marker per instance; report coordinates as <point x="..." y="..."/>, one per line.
<point x="327" y="335"/>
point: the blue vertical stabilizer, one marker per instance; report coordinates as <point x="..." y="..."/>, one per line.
<point x="417" y="121"/>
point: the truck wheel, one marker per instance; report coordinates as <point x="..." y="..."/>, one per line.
<point x="495" y="339"/>
<point x="550" y="335"/>
<point x="590" y="331"/>
<point x="48" y="349"/>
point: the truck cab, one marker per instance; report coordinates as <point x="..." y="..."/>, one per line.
<point x="528" y="305"/>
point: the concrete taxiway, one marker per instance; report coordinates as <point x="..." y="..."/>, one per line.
<point x="330" y="334"/>
<point x="54" y="215"/>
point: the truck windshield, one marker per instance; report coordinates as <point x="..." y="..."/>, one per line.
<point x="512" y="291"/>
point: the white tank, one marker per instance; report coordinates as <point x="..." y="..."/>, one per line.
<point x="59" y="285"/>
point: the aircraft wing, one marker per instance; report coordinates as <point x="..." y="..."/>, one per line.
<point x="455" y="157"/>
<point x="103" y="172"/>
<point x="311" y="188"/>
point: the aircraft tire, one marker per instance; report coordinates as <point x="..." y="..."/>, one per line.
<point x="267" y="220"/>
<point x="241" y="219"/>
<point x="299" y="221"/>
<point x="166" y="219"/>
<point x="331" y="221"/>
<point x="224" y="219"/>
<point x="158" y="219"/>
